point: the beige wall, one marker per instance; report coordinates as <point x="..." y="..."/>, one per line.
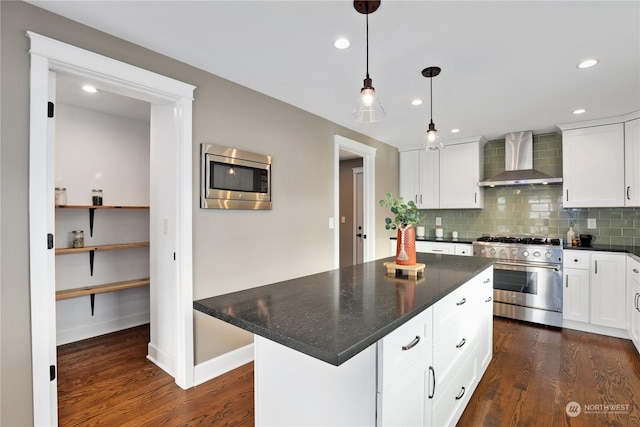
<point x="232" y="249"/>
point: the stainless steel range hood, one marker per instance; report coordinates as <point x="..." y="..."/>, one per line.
<point x="518" y="163"/>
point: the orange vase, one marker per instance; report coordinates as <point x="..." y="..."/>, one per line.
<point x="406" y="246"/>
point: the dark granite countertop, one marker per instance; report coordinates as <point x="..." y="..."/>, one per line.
<point x="633" y="250"/>
<point x="440" y="240"/>
<point x="334" y="315"/>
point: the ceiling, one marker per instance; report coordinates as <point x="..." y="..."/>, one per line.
<point x="506" y="65"/>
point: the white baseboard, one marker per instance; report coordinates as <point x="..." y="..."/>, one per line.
<point x="222" y="364"/>
<point x="162" y="360"/>
<point x="596" y="329"/>
<point x="83" y="332"/>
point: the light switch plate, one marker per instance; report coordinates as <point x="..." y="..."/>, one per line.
<point x="591" y="223"/>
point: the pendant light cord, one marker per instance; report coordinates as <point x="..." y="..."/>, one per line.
<point x="431" y="96"/>
<point x="367" y="19"/>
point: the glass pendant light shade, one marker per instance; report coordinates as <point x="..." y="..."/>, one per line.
<point x="369" y="108"/>
<point x="433" y="138"/>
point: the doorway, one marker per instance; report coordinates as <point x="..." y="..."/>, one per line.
<point x="170" y="217"/>
<point x="346" y="148"/>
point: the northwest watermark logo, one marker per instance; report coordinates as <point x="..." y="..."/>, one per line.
<point x="573" y="409"/>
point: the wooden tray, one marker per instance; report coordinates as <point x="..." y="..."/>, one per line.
<point x="413" y="271"/>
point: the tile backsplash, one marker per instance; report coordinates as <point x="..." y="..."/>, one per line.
<point x="534" y="209"/>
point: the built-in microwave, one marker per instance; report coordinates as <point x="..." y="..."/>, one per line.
<point x="234" y="179"/>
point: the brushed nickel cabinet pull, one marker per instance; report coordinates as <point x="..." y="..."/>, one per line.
<point x="461" y="343"/>
<point x="628" y="189"/>
<point x="462" y="301"/>
<point x="567" y="195"/>
<point x="459" y="396"/>
<point x="488" y="299"/>
<point x="433" y="381"/>
<point x="412" y="344"/>
<point x="596" y="270"/>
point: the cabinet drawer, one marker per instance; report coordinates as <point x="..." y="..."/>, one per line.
<point x="435" y="248"/>
<point x="463" y="249"/>
<point x="576" y="259"/>
<point x="456" y="305"/>
<point x="451" y="398"/>
<point x="453" y="347"/>
<point x="402" y="348"/>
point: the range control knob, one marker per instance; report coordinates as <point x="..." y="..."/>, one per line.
<point x="503" y="252"/>
<point x="493" y="251"/>
<point x="483" y="251"/>
<point x="514" y="252"/>
<point x="547" y="255"/>
<point x="525" y="253"/>
<point x="536" y="254"/>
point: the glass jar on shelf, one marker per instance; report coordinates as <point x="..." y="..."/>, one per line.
<point x="96" y="197"/>
<point x="61" y="196"/>
<point x="77" y="238"/>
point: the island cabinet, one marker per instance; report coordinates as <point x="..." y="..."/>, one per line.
<point x="356" y="346"/>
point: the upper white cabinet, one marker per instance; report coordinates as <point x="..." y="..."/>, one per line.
<point x="601" y="162"/>
<point x="444" y="179"/>
<point x="593" y="166"/>
<point x="419" y="178"/>
<point x="632" y="163"/>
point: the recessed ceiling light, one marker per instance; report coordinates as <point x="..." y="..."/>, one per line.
<point x="579" y="111"/>
<point x="416" y="102"/>
<point x="89" y="88"/>
<point x="341" y="43"/>
<point x="455" y="130"/>
<point x="587" y="63"/>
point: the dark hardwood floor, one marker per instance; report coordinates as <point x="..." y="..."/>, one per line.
<point x="535" y="372"/>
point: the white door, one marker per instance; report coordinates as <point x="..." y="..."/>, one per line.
<point x="359" y="236"/>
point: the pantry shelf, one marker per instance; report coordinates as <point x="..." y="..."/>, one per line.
<point x="92" y="290"/>
<point x="92" y="250"/>
<point x="92" y="211"/>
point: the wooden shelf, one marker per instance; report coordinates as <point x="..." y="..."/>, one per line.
<point x="102" y="248"/>
<point x="99" y="289"/>
<point x="99" y="207"/>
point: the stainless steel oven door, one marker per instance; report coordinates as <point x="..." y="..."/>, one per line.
<point x="528" y="285"/>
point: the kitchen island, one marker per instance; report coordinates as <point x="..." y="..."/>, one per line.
<point x="354" y="346"/>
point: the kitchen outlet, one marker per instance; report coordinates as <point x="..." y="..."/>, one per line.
<point x="438" y="220"/>
<point x="591" y="223"/>
<point x="331" y="223"/>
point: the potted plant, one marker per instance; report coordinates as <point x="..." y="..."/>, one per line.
<point x="406" y="217"/>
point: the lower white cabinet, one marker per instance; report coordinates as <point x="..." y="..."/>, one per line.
<point x="429" y="367"/>
<point x="608" y="289"/>
<point x="633" y="301"/>
<point x="594" y="293"/>
<point x="575" y="292"/>
<point x="435" y="247"/>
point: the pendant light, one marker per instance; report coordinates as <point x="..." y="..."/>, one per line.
<point x="369" y="108"/>
<point x="433" y="139"/>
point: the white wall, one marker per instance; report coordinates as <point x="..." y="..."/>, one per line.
<point x="97" y="150"/>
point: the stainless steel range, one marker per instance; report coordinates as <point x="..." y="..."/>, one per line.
<point x="527" y="281"/>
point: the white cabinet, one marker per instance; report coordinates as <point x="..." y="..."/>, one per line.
<point x="632" y="163"/>
<point x="404" y="357"/>
<point x="419" y="178"/>
<point x="445" y="179"/>
<point x="633" y="301"/>
<point x="608" y="289"/>
<point x="575" y="293"/>
<point x="435" y="247"/>
<point x="461" y="170"/>
<point x="462" y="349"/>
<point x="463" y="249"/>
<point x="593" y="166"/>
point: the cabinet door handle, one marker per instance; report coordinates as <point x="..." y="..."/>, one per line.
<point x="488" y="299"/>
<point x="567" y="195"/>
<point x="636" y="302"/>
<point x="635" y="270"/>
<point x="596" y="269"/>
<point x="421" y="199"/>
<point x="487" y="280"/>
<point x="461" y="343"/>
<point x="628" y="189"/>
<point x="475" y="197"/>
<point x="459" y="396"/>
<point x="416" y="198"/>
<point x="437" y="250"/>
<point x="412" y="344"/>
<point x="566" y="282"/>
<point x="462" y="301"/>
<point x="433" y="382"/>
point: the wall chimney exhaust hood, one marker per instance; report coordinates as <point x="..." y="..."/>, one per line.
<point x="518" y="163"/>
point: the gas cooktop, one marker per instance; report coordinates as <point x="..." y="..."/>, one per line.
<point x="525" y="240"/>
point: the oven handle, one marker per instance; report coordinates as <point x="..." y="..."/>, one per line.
<point x="517" y="264"/>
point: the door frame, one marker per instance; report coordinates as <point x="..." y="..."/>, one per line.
<point x="356" y="207"/>
<point x="49" y="55"/>
<point x="368" y="154"/>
